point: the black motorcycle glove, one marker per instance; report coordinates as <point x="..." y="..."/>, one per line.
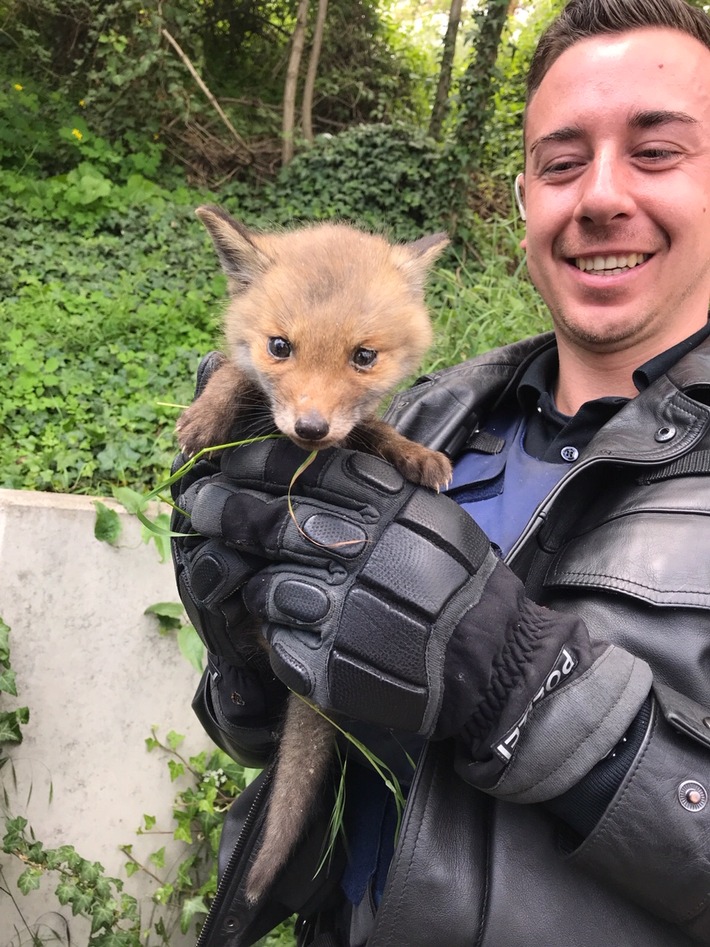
<point x="386" y="603"/>
<point x="210" y="577"/>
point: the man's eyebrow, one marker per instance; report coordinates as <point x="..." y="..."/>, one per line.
<point x="645" y="119"/>
<point x="567" y="133"/>
<point x="652" y="118"/>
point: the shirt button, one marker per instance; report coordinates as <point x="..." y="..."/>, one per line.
<point x="570" y="454"/>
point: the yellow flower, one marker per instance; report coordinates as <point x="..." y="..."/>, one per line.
<point x="77" y="134"/>
<point x="17" y="87"/>
<point x="82" y="103"/>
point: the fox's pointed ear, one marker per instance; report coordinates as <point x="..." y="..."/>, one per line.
<point x="241" y="259"/>
<point x="416" y="258"/>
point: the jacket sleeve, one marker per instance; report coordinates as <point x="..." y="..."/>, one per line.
<point x="223" y="702"/>
<point x="652" y="842"/>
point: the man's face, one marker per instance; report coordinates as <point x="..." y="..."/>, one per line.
<point x="617" y="190"/>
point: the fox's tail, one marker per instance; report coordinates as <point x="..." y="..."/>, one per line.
<point x="305" y="749"/>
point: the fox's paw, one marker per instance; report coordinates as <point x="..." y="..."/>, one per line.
<point x="426" y="467"/>
<point x="193" y="430"/>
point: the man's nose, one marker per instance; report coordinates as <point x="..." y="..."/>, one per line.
<point x="605" y="191"/>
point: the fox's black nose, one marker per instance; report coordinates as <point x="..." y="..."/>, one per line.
<point x="311" y="427"/>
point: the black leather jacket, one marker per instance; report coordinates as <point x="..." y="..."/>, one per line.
<point x="623" y="541"/>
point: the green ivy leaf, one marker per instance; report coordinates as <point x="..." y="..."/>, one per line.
<point x="7" y="682"/>
<point x="158" y="858"/>
<point x="163" y="894"/>
<point x="165" y="609"/>
<point x="130" y="500"/>
<point x="4" y="642"/>
<point x="191" y="908"/>
<point x="169" y="615"/>
<point x="81" y="902"/>
<point x="107" y="527"/>
<point x="90" y="872"/>
<point x="176" y="770"/>
<point x="65" y="891"/>
<point x="191" y="647"/>
<point x="29" y="880"/>
<point x="103" y="916"/>
<point x="174" y="739"/>
<point x="10" y="725"/>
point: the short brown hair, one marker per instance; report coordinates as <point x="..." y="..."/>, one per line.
<point x="582" y="19"/>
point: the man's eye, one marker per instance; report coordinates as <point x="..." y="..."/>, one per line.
<point x="561" y="167"/>
<point x="279" y="347"/>
<point x="657" y="154"/>
<point x="364" y="358"/>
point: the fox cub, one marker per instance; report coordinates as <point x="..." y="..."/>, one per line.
<point x="322" y="323"/>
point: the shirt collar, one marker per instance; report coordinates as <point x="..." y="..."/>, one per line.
<point x="556" y="437"/>
<point x="540" y="376"/>
<point x="655" y="367"/>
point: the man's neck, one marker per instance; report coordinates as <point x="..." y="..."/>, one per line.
<point x="586" y="376"/>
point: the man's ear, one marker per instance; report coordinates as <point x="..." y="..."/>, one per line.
<point x="520" y="194"/>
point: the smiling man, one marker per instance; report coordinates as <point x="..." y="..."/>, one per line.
<point x="539" y="638"/>
<point x="617" y="187"/>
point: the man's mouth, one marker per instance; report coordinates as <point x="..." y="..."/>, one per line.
<point x="609" y="265"/>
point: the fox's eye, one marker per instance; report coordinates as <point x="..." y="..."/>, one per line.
<point x="364" y="358"/>
<point x="278" y="347"/>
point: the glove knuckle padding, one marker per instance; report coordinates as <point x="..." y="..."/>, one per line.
<point x="374" y="622"/>
<point x="216" y="572"/>
<point x="317" y="529"/>
<point x="304" y="600"/>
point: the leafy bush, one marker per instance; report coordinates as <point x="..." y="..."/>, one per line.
<point x="115" y="65"/>
<point x="384" y="176"/>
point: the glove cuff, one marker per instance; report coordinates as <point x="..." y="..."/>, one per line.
<point x="569" y="731"/>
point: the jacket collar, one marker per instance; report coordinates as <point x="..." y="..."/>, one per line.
<point x="659" y="424"/>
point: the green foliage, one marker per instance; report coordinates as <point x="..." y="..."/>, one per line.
<point x="502" y="151"/>
<point x="171" y="620"/>
<point x="484" y="302"/>
<point x="107" y="65"/>
<point x="370" y="70"/>
<point x="112" y="68"/>
<point x="383" y="176"/>
<point x="106" y="309"/>
<point x="81" y="885"/>
<point x="108" y="306"/>
<point x="198" y="813"/>
<point x="11" y="721"/>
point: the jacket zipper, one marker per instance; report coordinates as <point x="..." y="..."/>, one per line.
<point x="224" y="881"/>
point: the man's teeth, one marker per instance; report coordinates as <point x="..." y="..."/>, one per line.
<point x="610" y="264"/>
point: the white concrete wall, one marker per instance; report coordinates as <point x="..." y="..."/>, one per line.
<point x="96" y="675"/>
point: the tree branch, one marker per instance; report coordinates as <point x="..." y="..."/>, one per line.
<point x="198" y="79"/>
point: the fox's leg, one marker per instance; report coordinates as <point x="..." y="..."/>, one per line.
<point x="417" y="463"/>
<point x="209" y="419"/>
